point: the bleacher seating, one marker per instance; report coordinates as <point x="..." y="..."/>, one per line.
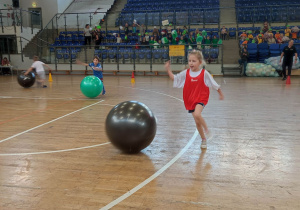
<point x="177" y="12"/>
<point x="248" y="11"/>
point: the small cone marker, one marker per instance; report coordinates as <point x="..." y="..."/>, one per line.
<point x="288" y="81"/>
<point x="50" y="78"/>
<point x="132" y="78"/>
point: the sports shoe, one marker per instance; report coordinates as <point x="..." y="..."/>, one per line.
<point x="284" y="78"/>
<point x="203" y="144"/>
<point x="44" y="86"/>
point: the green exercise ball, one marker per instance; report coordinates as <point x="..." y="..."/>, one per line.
<point x="91" y="86"/>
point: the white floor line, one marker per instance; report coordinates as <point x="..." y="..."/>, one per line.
<point x="159" y="172"/>
<point x="54" y="151"/>
<point x="18" y="134"/>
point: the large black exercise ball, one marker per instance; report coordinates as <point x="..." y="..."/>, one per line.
<point x="130" y="126"/>
<point x="26" y="81"/>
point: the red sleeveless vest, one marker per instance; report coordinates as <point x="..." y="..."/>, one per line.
<point x="195" y="91"/>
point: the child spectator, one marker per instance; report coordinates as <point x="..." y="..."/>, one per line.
<point x="133" y="29"/>
<point x="260" y="39"/>
<point x="223" y="33"/>
<point x="279" y="39"/>
<point x="181" y="41"/>
<point x="277" y="35"/>
<point x="288" y="31"/>
<point x="151" y="42"/>
<point x="178" y="30"/>
<point x="119" y="39"/>
<point x="126" y="29"/>
<point x="191" y="39"/>
<point x="271" y="40"/>
<point x="243" y="36"/>
<point x="199" y="40"/>
<point x="207" y="42"/>
<point x="147" y="37"/>
<point x="250" y="36"/>
<point x="215" y="41"/>
<point x="295" y="31"/>
<point x="140" y="38"/>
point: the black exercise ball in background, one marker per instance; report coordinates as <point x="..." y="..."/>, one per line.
<point x="130" y="126"/>
<point x="26" y="81"/>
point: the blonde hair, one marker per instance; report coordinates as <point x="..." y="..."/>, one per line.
<point x="199" y="56"/>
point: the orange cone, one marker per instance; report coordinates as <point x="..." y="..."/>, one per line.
<point x="50" y="78"/>
<point x="132" y="78"/>
<point x="288" y="81"/>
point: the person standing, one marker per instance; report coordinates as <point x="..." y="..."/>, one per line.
<point x="87" y="35"/>
<point x="244" y="58"/>
<point x="288" y="53"/>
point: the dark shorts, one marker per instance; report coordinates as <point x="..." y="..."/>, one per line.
<point x="191" y="111"/>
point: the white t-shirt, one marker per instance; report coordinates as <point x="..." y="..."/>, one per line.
<point x="179" y="79"/>
<point x="38" y="65"/>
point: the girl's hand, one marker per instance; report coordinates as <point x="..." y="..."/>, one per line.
<point x="221" y="97"/>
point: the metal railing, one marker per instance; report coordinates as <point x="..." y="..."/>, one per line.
<point x="129" y="54"/>
<point x="19" y="17"/>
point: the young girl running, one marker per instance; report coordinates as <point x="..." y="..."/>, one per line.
<point x="195" y="82"/>
<point x="97" y="69"/>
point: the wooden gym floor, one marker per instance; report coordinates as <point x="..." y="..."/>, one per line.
<point x="54" y="153"/>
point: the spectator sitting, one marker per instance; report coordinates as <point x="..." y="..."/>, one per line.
<point x="295" y="31"/>
<point x="155" y="32"/>
<point x="178" y="31"/>
<point x="277" y="35"/>
<point x="181" y="41"/>
<point x="260" y="39"/>
<point x="140" y="38"/>
<point x="270" y="31"/>
<point x="185" y="31"/>
<point x="133" y="29"/>
<point x="199" y="40"/>
<point x="170" y="38"/>
<point x="215" y="41"/>
<point x="191" y="39"/>
<point x="151" y="42"/>
<point x="250" y="36"/>
<point x="279" y="39"/>
<point x="207" y="42"/>
<point x="119" y="39"/>
<point x="156" y="38"/>
<point x="271" y="40"/>
<point x="223" y="33"/>
<point x="164" y="31"/>
<point x="243" y="36"/>
<point x="170" y="28"/>
<point x="147" y="37"/>
<point x="5" y="62"/>
<point x="287" y="31"/>
<point x="144" y="43"/>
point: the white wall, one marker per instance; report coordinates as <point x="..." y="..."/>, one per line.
<point x="49" y="8"/>
<point x="62" y="5"/>
<point x="6" y="2"/>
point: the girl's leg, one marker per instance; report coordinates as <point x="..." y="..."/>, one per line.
<point x="200" y="122"/>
